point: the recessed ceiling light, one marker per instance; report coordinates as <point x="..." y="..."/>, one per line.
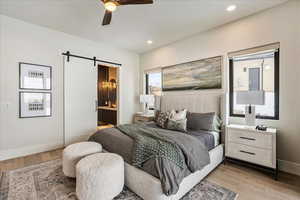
<point x="231" y="8"/>
<point x="149" y="42"/>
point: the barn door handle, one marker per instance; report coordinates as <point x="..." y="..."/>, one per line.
<point x="96" y="105"/>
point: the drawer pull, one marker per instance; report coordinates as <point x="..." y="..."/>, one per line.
<point x="247" y="152"/>
<point x="246" y="138"/>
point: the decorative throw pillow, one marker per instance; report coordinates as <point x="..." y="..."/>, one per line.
<point x="203" y="121"/>
<point x="217" y="124"/>
<point x="177" y="125"/>
<point x="178" y="115"/>
<point x="156" y="114"/>
<point x="162" y="119"/>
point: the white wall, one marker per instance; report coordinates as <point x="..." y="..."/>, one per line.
<point x="279" y="24"/>
<point x="24" y="42"/>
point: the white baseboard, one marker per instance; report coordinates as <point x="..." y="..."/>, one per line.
<point x="29" y="150"/>
<point x="289" y="167"/>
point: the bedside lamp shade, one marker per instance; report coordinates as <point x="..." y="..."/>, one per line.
<point x="148" y="99"/>
<point x="250" y="97"/>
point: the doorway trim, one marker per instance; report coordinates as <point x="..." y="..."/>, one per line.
<point x="118" y="68"/>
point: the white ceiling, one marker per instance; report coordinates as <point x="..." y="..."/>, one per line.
<point x="163" y="22"/>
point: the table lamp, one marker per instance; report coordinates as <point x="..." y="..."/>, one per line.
<point x="148" y="100"/>
<point x="250" y="98"/>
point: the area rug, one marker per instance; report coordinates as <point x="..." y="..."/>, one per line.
<point x="46" y="181"/>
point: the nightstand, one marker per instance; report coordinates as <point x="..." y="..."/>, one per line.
<point x="253" y="147"/>
<point x="142" y="118"/>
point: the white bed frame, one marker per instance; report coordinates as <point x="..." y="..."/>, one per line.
<point x="149" y="187"/>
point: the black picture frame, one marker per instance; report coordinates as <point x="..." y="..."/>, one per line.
<point x="27" y="88"/>
<point x="30" y="92"/>
<point x="276" y="89"/>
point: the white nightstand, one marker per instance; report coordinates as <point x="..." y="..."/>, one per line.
<point x="256" y="147"/>
<point x="142" y="118"/>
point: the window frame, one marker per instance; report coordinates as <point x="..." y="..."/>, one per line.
<point x="147" y="83"/>
<point x="146" y="80"/>
<point x="276" y="89"/>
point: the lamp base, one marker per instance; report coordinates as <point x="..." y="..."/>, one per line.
<point x="250" y="115"/>
<point x="146" y="112"/>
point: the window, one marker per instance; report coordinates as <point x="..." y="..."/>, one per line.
<point x="257" y="71"/>
<point x="153" y="83"/>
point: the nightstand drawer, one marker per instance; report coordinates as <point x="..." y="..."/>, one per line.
<point x="140" y="120"/>
<point x="250" y="138"/>
<point x="250" y="154"/>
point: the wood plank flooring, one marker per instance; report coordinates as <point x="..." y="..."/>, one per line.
<point x="105" y="126"/>
<point x="248" y="183"/>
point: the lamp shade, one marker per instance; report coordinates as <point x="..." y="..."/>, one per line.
<point x="148" y="99"/>
<point x="251" y="97"/>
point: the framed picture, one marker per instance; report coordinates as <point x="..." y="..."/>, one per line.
<point x="35" y="104"/>
<point x="35" y="77"/>
<point x="195" y="75"/>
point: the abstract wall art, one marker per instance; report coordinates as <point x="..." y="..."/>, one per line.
<point x="195" y="75"/>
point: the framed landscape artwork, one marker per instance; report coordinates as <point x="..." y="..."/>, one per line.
<point x="196" y="75"/>
<point x="35" y="77"/>
<point x="35" y="104"/>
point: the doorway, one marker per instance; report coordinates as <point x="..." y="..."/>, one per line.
<point x="82" y="93"/>
<point x="107" y="96"/>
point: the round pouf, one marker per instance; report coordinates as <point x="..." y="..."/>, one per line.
<point x="99" y="176"/>
<point x="74" y="152"/>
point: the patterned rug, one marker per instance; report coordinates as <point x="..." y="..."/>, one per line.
<point x="46" y="181"/>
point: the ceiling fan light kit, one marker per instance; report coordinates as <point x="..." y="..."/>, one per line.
<point x="111" y="5"/>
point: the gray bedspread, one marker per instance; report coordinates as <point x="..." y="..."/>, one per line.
<point x="206" y="137"/>
<point x="152" y="143"/>
<point x="194" y="151"/>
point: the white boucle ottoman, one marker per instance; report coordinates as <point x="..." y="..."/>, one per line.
<point x="74" y="152"/>
<point x="99" y="176"/>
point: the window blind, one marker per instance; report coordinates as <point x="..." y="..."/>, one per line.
<point x="266" y="48"/>
<point x="153" y="70"/>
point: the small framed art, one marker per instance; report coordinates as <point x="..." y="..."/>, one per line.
<point x="35" y="104"/>
<point x="35" y="77"/>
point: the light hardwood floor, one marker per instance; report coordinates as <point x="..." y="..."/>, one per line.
<point x="248" y="183"/>
<point x="105" y="126"/>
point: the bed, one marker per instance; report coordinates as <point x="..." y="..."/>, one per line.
<point x="147" y="185"/>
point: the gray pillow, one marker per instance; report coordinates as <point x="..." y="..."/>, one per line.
<point x="203" y="121"/>
<point x="177" y="125"/>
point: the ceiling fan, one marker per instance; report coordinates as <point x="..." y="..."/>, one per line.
<point x="111" y="5"/>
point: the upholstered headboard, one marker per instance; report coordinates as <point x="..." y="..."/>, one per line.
<point x="194" y="102"/>
<point x="200" y="102"/>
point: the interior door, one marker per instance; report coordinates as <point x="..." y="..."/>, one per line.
<point x="254" y="79"/>
<point x="80" y="94"/>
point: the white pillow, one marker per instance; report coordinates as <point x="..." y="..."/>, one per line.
<point x="179" y="115"/>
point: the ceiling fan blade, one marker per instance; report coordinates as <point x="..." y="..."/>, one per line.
<point x="131" y="2"/>
<point x="106" y="18"/>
